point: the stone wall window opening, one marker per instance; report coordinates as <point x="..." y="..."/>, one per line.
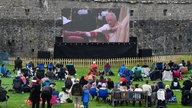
<point x="131" y="12"/>
<point x="165" y="12"/>
<point x="134" y="23"/>
<point x="180" y="37"/>
<point x="27" y="11"/>
<point x="32" y="50"/>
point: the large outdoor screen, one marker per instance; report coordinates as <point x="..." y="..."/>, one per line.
<point x="84" y="25"/>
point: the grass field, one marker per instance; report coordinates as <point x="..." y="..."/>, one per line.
<point x="18" y="100"/>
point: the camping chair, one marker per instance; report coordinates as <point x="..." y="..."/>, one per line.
<point x="3" y="96"/>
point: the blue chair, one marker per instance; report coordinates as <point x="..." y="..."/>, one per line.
<point x="103" y="93"/>
<point x="40" y="65"/>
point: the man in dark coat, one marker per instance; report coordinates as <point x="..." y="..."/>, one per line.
<point x="46" y="95"/>
<point x="35" y="93"/>
<point x="18" y="63"/>
<point x="77" y="93"/>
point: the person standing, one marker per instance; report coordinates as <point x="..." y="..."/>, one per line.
<point x="77" y="93"/>
<point x="18" y="64"/>
<point x="86" y="96"/>
<point x="35" y="93"/>
<point x="147" y="87"/>
<point x="46" y="95"/>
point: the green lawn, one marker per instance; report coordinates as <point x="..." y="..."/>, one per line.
<point x="18" y="100"/>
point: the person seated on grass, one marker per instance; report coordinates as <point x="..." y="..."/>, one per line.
<point x="107" y="68"/>
<point x="189" y="65"/>
<point x="160" y="84"/>
<point x="152" y="68"/>
<point x="102" y="79"/>
<point x="121" y="69"/>
<point x="17" y="85"/>
<point x="71" y="68"/>
<point x="145" y="70"/>
<point x="167" y="74"/>
<point x="83" y="81"/>
<point x="183" y="69"/>
<point x="93" y="69"/>
<point x="3" y="70"/>
<point x="177" y="73"/>
<point x="169" y="93"/>
<point x="110" y="83"/>
<point x="68" y="82"/>
<point x="103" y="92"/>
<point x="138" y="68"/>
<point x="137" y="75"/>
<point x="64" y="96"/>
<point x="93" y="90"/>
<point x="123" y="79"/>
<point x="175" y="84"/>
<point x="128" y="74"/>
<point x="23" y="80"/>
<point x="187" y="84"/>
<point x="156" y="74"/>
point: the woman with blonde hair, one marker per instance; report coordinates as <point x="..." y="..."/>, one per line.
<point x="167" y="74"/>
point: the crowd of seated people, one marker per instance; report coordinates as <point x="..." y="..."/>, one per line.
<point x="101" y="87"/>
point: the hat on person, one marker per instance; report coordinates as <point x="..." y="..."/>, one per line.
<point x="180" y="64"/>
<point x="77" y="80"/>
<point x="167" y="87"/>
<point x="38" y="80"/>
<point x="104" y="85"/>
<point x="94" y="62"/>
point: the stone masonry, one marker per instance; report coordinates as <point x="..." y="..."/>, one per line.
<point x="29" y="26"/>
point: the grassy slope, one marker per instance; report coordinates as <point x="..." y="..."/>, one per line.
<point x="18" y="100"/>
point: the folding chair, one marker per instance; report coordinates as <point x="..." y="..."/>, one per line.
<point x="161" y="100"/>
<point x="3" y="96"/>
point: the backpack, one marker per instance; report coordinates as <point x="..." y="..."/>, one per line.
<point x="46" y="90"/>
<point x="26" y="88"/>
<point x="69" y="100"/>
<point x="17" y="82"/>
<point x="46" y="83"/>
<point x="3" y="94"/>
<point x="186" y="97"/>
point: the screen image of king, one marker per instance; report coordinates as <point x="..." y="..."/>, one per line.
<point x="96" y="25"/>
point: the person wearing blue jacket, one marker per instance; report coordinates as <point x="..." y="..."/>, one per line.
<point x="3" y="70"/>
<point x="121" y="69"/>
<point x="86" y="96"/>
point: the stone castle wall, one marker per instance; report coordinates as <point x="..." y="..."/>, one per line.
<point x="28" y="26"/>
